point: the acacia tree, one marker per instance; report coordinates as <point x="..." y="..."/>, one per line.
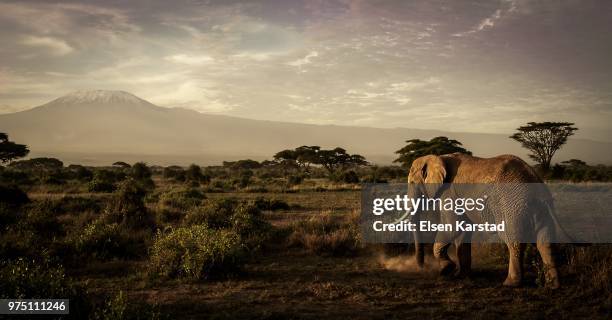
<point x="338" y="158"/>
<point x="10" y="150"/>
<point x="543" y="139"/>
<point x="416" y="148"/>
<point x="306" y="155"/>
<point x="331" y="160"/>
<point x="303" y="157"/>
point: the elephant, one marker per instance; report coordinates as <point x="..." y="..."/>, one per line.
<point x="427" y="176"/>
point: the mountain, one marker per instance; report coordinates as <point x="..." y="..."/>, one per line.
<point x="100" y="127"/>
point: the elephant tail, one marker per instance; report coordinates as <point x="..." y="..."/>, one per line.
<point x="562" y="236"/>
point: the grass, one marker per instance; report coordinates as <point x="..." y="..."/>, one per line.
<point x="313" y="264"/>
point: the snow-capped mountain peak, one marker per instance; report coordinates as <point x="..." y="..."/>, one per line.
<point x="99" y="97"/>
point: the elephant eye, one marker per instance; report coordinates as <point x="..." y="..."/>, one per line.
<point x="424" y="172"/>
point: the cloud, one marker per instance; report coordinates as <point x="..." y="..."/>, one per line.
<point x="191" y="60"/>
<point x="490" y="21"/>
<point x="304" y="61"/>
<point x="55" y="46"/>
<point x="407" y="86"/>
<point x="376" y="63"/>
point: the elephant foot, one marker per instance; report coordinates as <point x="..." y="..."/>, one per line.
<point x="462" y="273"/>
<point x="553" y="283"/>
<point x="512" y="282"/>
<point x="447" y="268"/>
<point x="552" y="278"/>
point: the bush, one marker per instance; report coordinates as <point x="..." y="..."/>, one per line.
<point x="76" y="205"/>
<point x="104" y="241"/>
<point x="271" y="205"/>
<point x="209" y="214"/>
<point x="175" y="173"/>
<point x="8" y="216"/>
<point x="118" y="307"/>
<point x="182" y="199"/>
<point x="293" y="180"/>
<point x="214" y="213"/>
<point x="244" y="218"/>
<point x="324" y="235"/>
<point x="97" y="185"/>
<point x="194" y="174"/>
<point x="28" y="279"/>
<point x="249" y="224"/>
<point x="12" y="196"/>
<point x="348" y="177"/>
<point x="196" y="252"/>
<point x="593" y="265"/>
<point x="41" y="220"/>
<point x="127" y="206"/>
<point x="16" y="177"/>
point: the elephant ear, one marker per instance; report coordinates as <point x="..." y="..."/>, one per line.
<point x="427" y="169"/>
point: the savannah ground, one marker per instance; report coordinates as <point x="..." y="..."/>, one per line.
<point x="313" y="265"/>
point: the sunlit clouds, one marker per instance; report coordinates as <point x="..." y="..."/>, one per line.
<point x="485" y="66"/>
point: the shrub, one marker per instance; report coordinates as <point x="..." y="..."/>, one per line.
<point x="16" y="177"/>
<point x="175" y="173"/>
<point x="348" y="177"/>
<point x="127" y="206"/>
<point x="8" y="216"/>
<point x="76" y="205"/>
<point x="182" y="199"/>
<point x="12" y="196"/>
<point x="118" y="307"/>
<point x="324" y="235"/>
<point x="293" y="180"/>
<point x="97" y="185"/>
<point x="249" y="224"/>
<point x="103" y="241"/>
<point x="27" y="279"/>
<point x="41" y="220"/>
<point x="593" y="265"/>
<point x="194" y="174"/>
<point x="196" y="252"/>
<point x="244" y="218"/>
<point x="272" y="205"/>
<point x="214" y="213"/>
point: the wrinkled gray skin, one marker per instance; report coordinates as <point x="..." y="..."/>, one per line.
<point x="515" y="207"/>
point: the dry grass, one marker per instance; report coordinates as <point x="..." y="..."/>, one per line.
<point x="321" y="269"/>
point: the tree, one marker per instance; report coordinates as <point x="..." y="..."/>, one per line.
<point x="194" y="174"/>
<point x="121" y="164"/>
<point x="306" y="155"/>
<point x="338" y="158"/>
<point x="286" y="158"/>
<point x="543" y="139"/>
<point x="416" y="148"/>
<point x="140" y="171"/>
<point x="242" y="164"/>
<point x="10" y="150"/>
<point x="39" y="164"/>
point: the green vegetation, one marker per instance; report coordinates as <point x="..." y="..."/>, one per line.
<point x="196" y="252"/>
<point x="416" y="148"/>
<point x="249" y="238"/>
<point x="10" y="150"/>
<point x="544" y="139"/>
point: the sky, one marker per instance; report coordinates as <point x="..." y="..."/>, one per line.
<point x="476" y="66"/>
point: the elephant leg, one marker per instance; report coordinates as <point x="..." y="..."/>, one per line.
<point x="464" y="255"/>
<point x="550" y="266"/>
<point x="447" y="266"/>
<point x="515" y="267"/>
<point x="419" y="250"/>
